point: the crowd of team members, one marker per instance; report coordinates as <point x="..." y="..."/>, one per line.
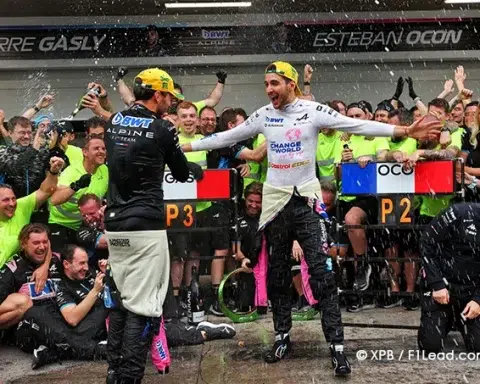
<point x="57" y="180"/>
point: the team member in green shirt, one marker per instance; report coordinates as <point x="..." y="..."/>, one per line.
<point x="429" y="150"/>
<point x="362" y="209"/>
<point x="329" y="144"/>
<point x="15" y="214"/>
<point x="89" y="176"/>
<point x="400" y="150"/>
<point x="207" y="215"/>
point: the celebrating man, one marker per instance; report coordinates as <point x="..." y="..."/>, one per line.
<point x="139" y="146"/>
<point x="292" y="198"/>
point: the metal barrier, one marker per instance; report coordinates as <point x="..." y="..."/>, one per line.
<point x="181" y="200"/>
<point x="395" y="187"/>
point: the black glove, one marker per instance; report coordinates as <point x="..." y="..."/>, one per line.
<point x="411" y="91"/>
<point x="82" y="182"/>
<point x="196" y="170"/>
<point x="399" y="90"/>
<point x="121" y="73"/>
<point x="221" y="76"/>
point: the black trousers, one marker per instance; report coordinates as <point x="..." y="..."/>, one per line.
<point x="44" y="325"/>
<point x="129" y="339"/>
<point x="437" y="320"/>
<point x="298" y="221"/>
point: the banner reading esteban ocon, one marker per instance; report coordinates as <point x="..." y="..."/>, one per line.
<point x="376" y="35"/>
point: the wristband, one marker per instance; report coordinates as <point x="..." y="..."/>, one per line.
<point x="416" y="100"/>
<point x="36" y="108"/>
<point x="306" y="83"/>
<point x="53" y="173"/>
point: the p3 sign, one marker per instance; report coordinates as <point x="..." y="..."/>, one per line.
<point x="396" y="210"/>
<point x="180" y="215"/>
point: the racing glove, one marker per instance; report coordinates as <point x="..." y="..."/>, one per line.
<point x="82" y="182"/>
<point x="221" y="76"/>
<point x="399" y="90"/>
<point x="411" y="91"/>
<point x="121" y="73"/>
<point x="196" y="170"/>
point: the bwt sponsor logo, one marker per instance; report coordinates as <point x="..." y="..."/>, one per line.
<point x="393" y="38"/>
<point x="131" y="122"/>
<point x="207" y="35"/>
<point x="216" y="37"/>
<point x="291" y="147"/>
<point x="273" y="120"/>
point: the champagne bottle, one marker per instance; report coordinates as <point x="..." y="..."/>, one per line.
<point x="79" y="107"/>
<point x="195" y="307"/>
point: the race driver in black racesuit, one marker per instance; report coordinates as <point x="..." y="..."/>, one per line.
<point x="139" y="146"/>
<point x="450" y="247"/>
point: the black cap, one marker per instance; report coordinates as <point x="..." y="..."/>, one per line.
<point x="360" y="105"/>
<point x="365" y="105"/>
<point x="385" y="105"/>
<point x="63" y="127"/>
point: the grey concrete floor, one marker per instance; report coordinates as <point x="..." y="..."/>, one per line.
<point x="240" y="360"/>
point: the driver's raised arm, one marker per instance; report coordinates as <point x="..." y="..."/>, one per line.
<point x="247" y="129"/>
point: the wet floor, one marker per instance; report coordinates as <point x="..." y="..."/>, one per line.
<point x="239" y="360"/>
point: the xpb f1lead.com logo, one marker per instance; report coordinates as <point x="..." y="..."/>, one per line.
<point x="414" y="354"/>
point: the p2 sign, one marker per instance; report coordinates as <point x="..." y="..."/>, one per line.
<point x="395" y="210"/>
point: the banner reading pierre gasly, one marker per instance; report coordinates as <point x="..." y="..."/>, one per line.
<point x="363" y="35"/>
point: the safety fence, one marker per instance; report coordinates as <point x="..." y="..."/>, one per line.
<point x="395" y="187"/>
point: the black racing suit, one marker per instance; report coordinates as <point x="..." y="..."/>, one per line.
<point x="139" y="146"/>
<point x="88" y="236"/>
<point x="298" y="221"/>
<point x="42" y="324"/>
<point x="250" y="246"/>
<point x="450" y="248"/>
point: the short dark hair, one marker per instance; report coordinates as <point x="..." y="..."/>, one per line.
<point x="440" y="103"/>
<point x="472" y="104"/>
<point x="254" y="188"/>
<point x="68" y="251"/>
<point x="207" y="108"/>
<point x="88" y="197"/>
<point x="328" y="186"/>
<point x="404" y="116"/>
<point x="142" y="93"/>
<point x="18" y="120"/>
<point x="93" y="122"/>
<point x="28" y="229"/>
<point x="230" y="116"/>
<point x="334" y="104"/>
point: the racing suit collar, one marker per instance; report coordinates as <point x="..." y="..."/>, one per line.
<point x="145" y="109"/>
<point x="286" y="107"/>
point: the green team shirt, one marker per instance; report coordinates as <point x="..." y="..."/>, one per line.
<point x="10" y="229"/>
<point x="407" y="145"/>
<point x="68" y="214"/>
<point x="360" y="146"/>
<point x="74" y="154"/>
<point x="327" y="148"/>
<point x="258" y="171"/>
<point x="432" y="206"/>
<point x="199" y="105"/>
<point x="199" y="158"/>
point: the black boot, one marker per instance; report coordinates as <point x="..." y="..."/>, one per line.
<point x="341" y="366"/>
<point x="280" y="349"/>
